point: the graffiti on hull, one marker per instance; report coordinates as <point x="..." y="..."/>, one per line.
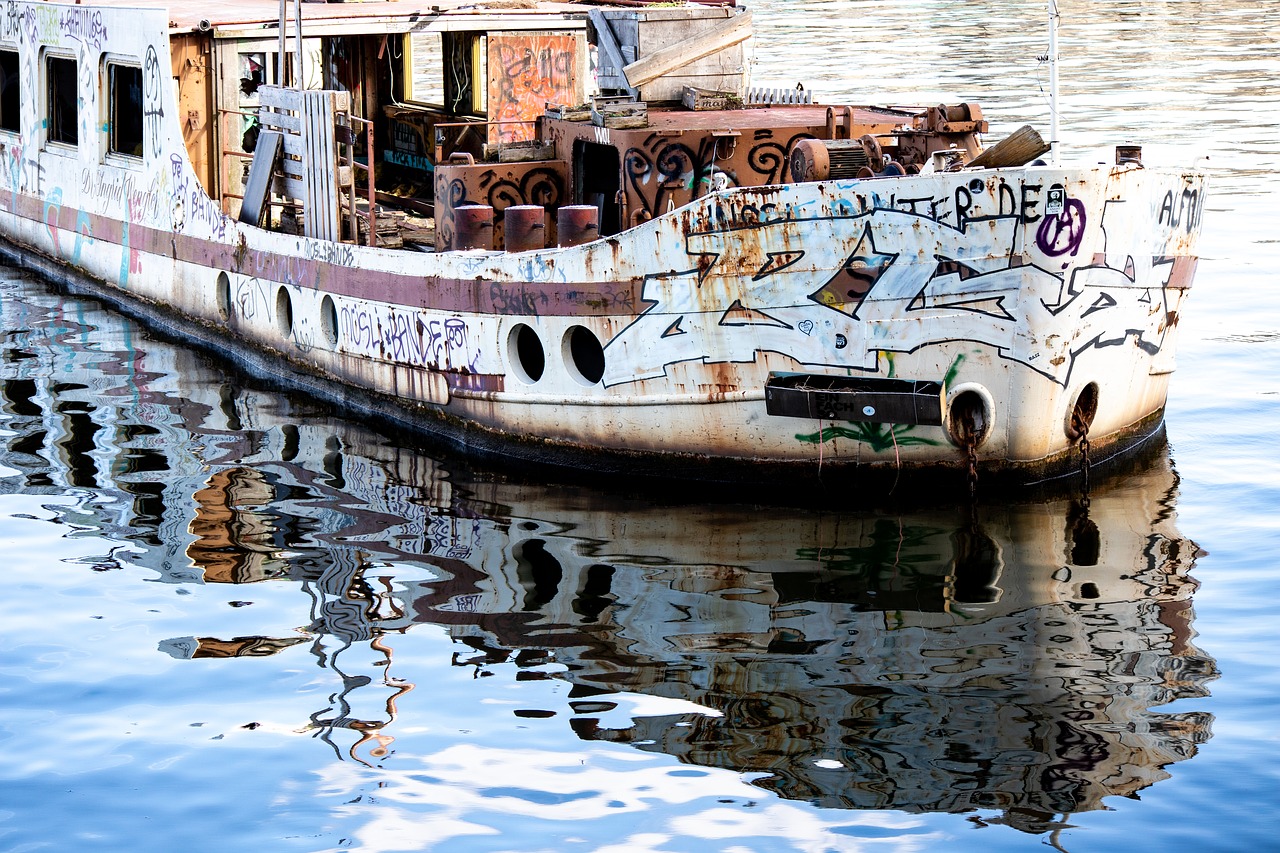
<point x="839" y="290"/>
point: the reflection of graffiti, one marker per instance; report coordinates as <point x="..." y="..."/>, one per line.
<point x="835" y="290"/>
<point x="526" y="71"/>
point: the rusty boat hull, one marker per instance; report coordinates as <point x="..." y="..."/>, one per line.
<point x="926" y="324"/>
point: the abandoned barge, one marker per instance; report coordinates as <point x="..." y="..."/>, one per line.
<point x="574" y="234"/>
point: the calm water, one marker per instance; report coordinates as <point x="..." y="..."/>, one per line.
<point x="229" y="621"/>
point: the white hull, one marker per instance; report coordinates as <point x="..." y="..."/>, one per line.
<point x="1030" y="293"/>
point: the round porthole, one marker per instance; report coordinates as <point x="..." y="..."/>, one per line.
<point x="329" y="320"/>
<point x="223" y="296"/>
<point x="583" y="355"/>
<point x="284" y="312"/>
<point x="524" y="352"/>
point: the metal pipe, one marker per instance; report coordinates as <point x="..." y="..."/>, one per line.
<point x="283" y="52"/>
<point x="373" y="194"/>
<point x="297" y="45"/>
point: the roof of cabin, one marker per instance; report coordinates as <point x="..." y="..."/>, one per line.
<point x="196" y="14"/>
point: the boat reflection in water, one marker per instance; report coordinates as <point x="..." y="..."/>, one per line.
<point x="1009" y="658"/>
<point x="919" y="662"/>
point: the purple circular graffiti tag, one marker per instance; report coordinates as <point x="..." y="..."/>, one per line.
<point x="1063" y="233"/>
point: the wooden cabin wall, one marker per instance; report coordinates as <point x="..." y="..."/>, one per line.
<point x="527" y="71"/>
<point x="189" y="53"/>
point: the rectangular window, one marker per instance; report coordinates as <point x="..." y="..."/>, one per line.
<point x="10" y="92"/>
<point x="64" y="100"/>
<point x="125" y="97"/>
<point x="424" y="69"/>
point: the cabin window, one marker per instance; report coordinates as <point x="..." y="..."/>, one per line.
<point x="64" y="101"/>
<point x="423" y="69"/>
<point x="124" y="84"/>
<point x="10" y="92"/>
<point x="445" y="70"/>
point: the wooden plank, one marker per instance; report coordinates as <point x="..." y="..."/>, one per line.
<point x="278" y="97"/>
<point x="670" y="87"/>
<point x="320" y="214"/>
<point x="280" y="121"/>
<point x="291" y="188"/>
<point x="733" y="31"/>
<point x="253" y="207"/>
<point x="1017" y="149"/>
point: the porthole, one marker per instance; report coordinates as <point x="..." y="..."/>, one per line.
<point x="524" y="352"/>
<point x="583" y="355"/>
<point x="284" y="312"/>
<point x="223" y="296"/>
<point x="329" y="320"/>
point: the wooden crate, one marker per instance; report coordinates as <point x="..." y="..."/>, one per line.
<point x="620" y="116"/>
<point x="705" y="99"/>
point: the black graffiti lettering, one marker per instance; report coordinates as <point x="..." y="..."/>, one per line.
<point x="938" y="211"/>
<point x="964" y="202"/>
<point x="1167" y="213"/>
<point x="1029" y="204"/>
<point x="1191" y="204"/>
<point x="1007" y="202"/>
<point x="912" y="205"/>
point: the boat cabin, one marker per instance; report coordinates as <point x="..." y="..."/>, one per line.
<point x="401" y="125"/>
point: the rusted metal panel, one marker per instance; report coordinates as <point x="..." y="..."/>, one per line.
<point x="499" y="185"/>
<point x="190" y="66"/>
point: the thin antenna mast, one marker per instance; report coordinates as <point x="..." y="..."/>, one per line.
<point x="1053" y="82"/>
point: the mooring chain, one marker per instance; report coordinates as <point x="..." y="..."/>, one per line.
<point x="1084" y="463"/>
<point x="971" y="451"/>
<point x="969" y="437"/>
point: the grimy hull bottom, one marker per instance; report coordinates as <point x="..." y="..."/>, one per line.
<point x="825" y="481"/>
